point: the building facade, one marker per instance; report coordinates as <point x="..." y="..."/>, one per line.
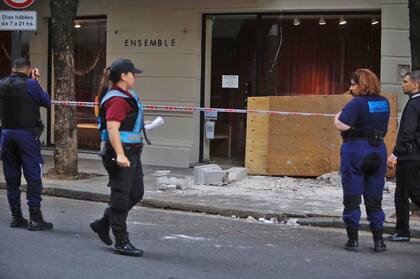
<point x="216" y="53"/>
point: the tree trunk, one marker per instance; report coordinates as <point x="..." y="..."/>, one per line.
<point x="63" y="13"/>
<point x="414" y="7"/>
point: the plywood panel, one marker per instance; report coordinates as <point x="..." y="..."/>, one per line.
<point x="300" y="145"/>
<point x="257" y="137"/>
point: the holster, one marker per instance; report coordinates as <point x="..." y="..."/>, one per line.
<point x="38" y="129"/>
<point x="376" y="138"/>
<point x="371" y="163"/>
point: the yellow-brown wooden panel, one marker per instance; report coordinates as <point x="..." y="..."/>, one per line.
<point x="257" y="137"/>
<point x="299" y="145"/>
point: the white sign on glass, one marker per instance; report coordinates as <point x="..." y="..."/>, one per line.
<point x="230" y="81"/>
<point x="210" y="129"/>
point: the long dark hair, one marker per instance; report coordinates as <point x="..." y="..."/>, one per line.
<point x="103" y="85"/>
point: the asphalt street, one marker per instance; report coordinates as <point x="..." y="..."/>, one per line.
<point x="189" y="245"/>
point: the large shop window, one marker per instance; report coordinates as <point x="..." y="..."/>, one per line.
<point x="6" y="50"/>
<point x="90" y="60"/>
<point x="315" y="55"/>
<point x="283" y="55"/>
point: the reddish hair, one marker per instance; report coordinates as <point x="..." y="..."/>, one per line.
<point x="367" y="81"/>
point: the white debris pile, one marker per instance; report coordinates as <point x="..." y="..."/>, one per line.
<point x="251" y="219"/>
<point x="332" y="178"/>
<point x="166" y="183"/>
<point x="292" y="221"/>
<point x="283" y="184"/>
<point x="170" y="183"/>
<point x="268" y="220"/>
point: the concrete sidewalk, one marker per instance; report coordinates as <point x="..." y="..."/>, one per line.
<point x="311" y="202"/>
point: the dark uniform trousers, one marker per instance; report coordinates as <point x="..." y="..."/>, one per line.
<point x="408" y="187"/>
<point x="357" y="184"/>
<point x="22" y="150"/>
<point x="127" y="189"/>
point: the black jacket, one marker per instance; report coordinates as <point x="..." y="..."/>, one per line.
<point x="408" y="138"/>
<point x="18" y="109"/>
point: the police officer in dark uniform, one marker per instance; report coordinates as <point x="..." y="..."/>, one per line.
<point x="121" y="124"/>
<point x="20" y="99"/>
<point x="363" y="123"/>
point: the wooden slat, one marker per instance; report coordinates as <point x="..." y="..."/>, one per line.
<point x="257" y="137"/>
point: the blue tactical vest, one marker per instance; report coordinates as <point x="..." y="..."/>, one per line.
<point x="18" y="110"/>
<point x="128" y="137"/>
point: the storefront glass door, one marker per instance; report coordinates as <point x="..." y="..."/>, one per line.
<point x="283" y="54"/>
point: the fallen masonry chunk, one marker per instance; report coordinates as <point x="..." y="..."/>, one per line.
<point x="237" y="173"/>
<point x="250" y="218"/>
<point x="199" y="175"/>
<point x="215" y="177"/>
<point x="167" y="187"/>
<point x="170" y="183"/>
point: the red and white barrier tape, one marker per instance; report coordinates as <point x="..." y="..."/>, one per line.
<point x="197" y="109"/>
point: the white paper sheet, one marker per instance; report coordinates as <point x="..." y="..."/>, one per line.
<point x="155" y="123"/>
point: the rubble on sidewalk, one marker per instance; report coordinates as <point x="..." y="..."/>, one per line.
<point x="237" y="173"/>
<point x="269" y="220"/>
<point x="165" y="183"/>
<point x="333" y="178"/>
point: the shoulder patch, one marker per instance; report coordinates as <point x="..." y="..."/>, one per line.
<point x="378" y="106"/>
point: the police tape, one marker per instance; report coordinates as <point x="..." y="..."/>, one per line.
<point x="197" y="109"/>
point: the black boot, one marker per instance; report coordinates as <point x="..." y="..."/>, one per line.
<point x="17" y="219"/>
<point x="36" y="221"/>
<point x="353" y="243"/>
<point x="101" y="227"/>
<point x="378" y="241"/>
<point x="124" y="247"/>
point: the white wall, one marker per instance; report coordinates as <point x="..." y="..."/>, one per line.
<point x="395" y="48"/>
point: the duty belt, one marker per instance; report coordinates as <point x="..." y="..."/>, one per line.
<point x="350" y="139"/>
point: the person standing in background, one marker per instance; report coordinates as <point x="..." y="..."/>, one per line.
<point x="20" y="99"/>
<point x="406" y="158"/>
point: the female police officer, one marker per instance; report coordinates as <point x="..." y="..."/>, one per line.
<point x="121" y="123"/>
<point x="363" y="124"/>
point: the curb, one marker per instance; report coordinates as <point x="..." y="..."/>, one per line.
<point x="310" y="220"/>
<point x="334" y="222"/>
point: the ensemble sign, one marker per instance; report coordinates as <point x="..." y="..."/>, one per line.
<point x="19" y="4"/>
<point x="18" y="20"/>
<point x="150" y="43"/>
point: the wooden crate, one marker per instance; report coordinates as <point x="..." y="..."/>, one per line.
<point x="299" y="145"/>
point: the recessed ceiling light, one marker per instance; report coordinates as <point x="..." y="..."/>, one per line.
<point x="374" y="21"/>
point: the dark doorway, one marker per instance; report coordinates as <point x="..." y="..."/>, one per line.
<point x="5" y="53"/>
<point x="6" y="49"/>
<point x="90" y="60"/>
<point x="233" y="51"/>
